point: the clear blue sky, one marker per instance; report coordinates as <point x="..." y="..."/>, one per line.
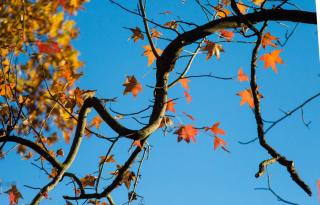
<point x="180" y="173"/>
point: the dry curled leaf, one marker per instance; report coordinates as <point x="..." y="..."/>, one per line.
<point x="132" y="85"/>
<point x="137" y="34"/>
<point x="107" y="159"/>
<point x="212" y="49"/>
<point x="88" y="180"/>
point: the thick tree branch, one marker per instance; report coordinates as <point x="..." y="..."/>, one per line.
<point x="32" y="145"/>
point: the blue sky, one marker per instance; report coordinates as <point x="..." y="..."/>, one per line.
<point x="180" y="173"/>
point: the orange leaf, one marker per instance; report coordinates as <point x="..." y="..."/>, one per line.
<point x="220" y="11"/>
<point x="215" y="129"/>
<point x="14" y="195"/>
<point x="189" y="116"/>
<point x="243" y="8"/>
<point x="318" y="188"/>
<point x="257" y="2"/>
<point x="155" y="33"/>
<point x="228" y="35"/>
<point x="246" y="97"/>
<point x="137" y="34"/>
<point x="96" y="121"/>
<point x="188" y="96"/>
<point x="132" y="85"/>
<point x="270" y="59"/>
<point x="242" y="76"/>
<point x="184" y="83"/>
<point x="186" y="133"/>
<point x="107" y="159"/>
<point x="212" y="49"/>
<point x="171" y="24"/>
<point x="170" y="105"/>
<point x="218" y="142"/>
<point x="267" y="40"/>
<point x="88" y="180"/>
<point x="137" y="143"/>
<point x="148" y="52"/>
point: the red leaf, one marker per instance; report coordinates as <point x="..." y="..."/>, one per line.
<point x="137" y="143"/>
<point x="184" y="83"/>
<point x="242" y="76"/>
<point x="215" y="129"/>
<point x="188" y="96"/>
<point x="218" y="142"/>
<point x="186" y="132"/>
<point x="189" y="116"/>
<point x="49" y="48"/>
<point x="170" y="105"/>
<point x="228" y="35"/>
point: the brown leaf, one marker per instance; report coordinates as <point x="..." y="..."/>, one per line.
<point x="132" y="85"/>
<point x="88" y="180"/>
<point x="137" y="34"/>
<point x="107" y="159"/>
<point x="212" y="49"/>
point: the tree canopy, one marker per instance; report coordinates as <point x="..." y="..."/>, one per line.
<point x="234" y="82"/>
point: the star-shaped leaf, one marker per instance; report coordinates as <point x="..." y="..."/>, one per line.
<point x="132" y="85"/>
<point x="186" y="133"/>
<point x="215" y="129"/>
<point x="267" y="39"/>
<point x="246" y="97"/>
<point x="271" y="59"/>
<point x="148" y="52"/>
<point x="212" y="49"/>
<point x="137" y="34"/>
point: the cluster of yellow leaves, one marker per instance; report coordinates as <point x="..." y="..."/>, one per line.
<point x="40" y="33"/>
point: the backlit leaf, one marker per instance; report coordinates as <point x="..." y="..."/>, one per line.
<point x="271" y="59"/>
<point x="148" y="52"/>
<point x="186" y="133"/>
<point x="242" y="76"/>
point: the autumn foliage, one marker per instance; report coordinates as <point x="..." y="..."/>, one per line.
<point x="45" y="113"/>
